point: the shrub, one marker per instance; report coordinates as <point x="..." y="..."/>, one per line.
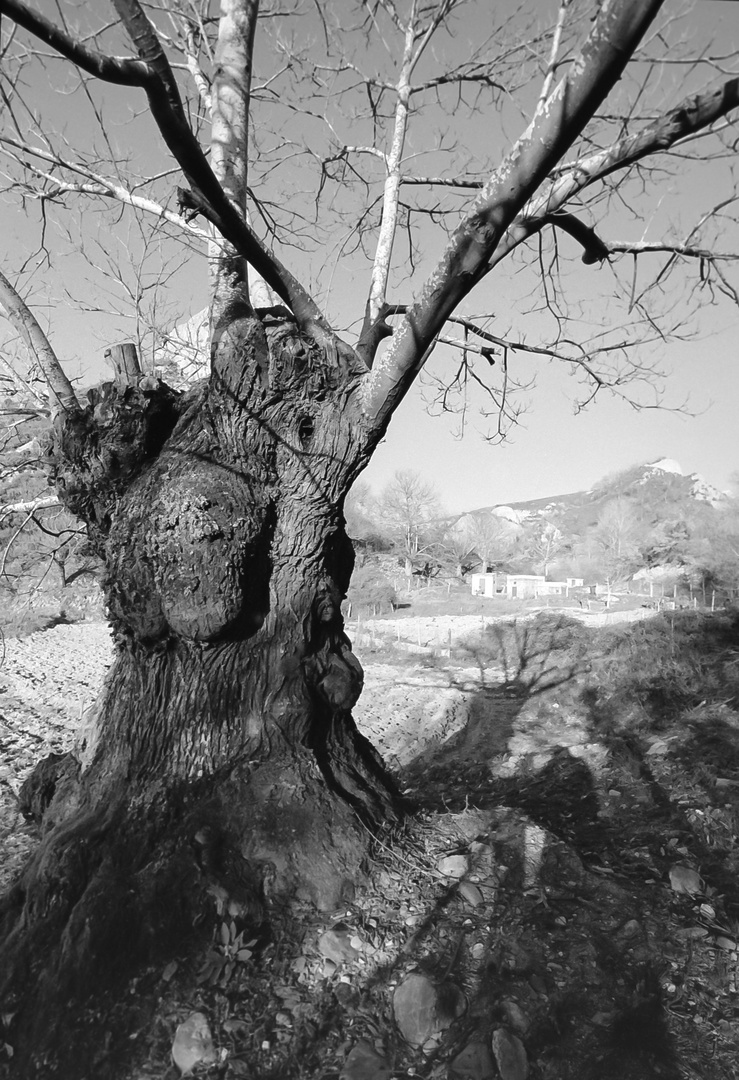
<point x="370" y="591"/>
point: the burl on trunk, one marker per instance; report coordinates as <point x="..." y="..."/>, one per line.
<point x="226" y="752"/>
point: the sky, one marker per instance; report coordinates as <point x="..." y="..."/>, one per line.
<point x="552" y="450"/>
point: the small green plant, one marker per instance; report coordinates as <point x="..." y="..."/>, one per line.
<point x="229" y="947"/>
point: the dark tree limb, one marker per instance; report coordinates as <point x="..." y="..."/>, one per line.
<point x="618" y="29"/>
<point x="153" y="74"/>
<point x="594" y="249"/>
<point x="690" y="116"/>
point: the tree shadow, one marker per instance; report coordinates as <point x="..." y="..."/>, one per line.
<point x="693" y="819"/>
<point x="530" y="656"/>
<point x="527" y="659"/>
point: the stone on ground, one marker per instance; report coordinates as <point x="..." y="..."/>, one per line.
<point x="193" y="1044"/>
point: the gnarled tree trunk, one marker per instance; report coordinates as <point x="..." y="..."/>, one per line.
<point x="226" y="751"/>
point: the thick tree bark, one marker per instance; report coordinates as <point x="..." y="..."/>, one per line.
<point x="226" y="751"/>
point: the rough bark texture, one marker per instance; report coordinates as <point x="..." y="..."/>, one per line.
<point x="226" y="751"/>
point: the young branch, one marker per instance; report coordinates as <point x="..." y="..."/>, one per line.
<point x="30" y="506"/>
<point x="552" y="66"/>
<point x="389" y="219"/>
<point x="230" y="99"/>
<point x="62" y="397"/>
<point x="98" y="185"/>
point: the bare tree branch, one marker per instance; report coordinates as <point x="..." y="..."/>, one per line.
<point x="552" y="66"/>
<point x="617" y="30"/>
<point x="61" y="393"/>
<point x="388" y="222"/>
<point x="154" y="76"/>
<point x="693" y="114"/>
<point x="30" y="506"/>
<point x="99" y="185"/>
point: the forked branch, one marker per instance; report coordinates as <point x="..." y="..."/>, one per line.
<point x="154" y="75"/>
<point x="618" y="29"/>
<point x="692" y="115"/>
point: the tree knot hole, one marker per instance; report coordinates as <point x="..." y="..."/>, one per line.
<point x="306" y="430"/>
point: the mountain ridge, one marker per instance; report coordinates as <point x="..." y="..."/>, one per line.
<point x="665" y="477"/>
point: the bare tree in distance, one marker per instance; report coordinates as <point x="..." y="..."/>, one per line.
<point x="483" y="539"/>
<point x="493" y="538"/>
<point x="544" y="546"/>
<point x="226" y="752"/>
<point x="612" y="546"/>
<point x="409" y="511"/>
<point x="362" y="516"/>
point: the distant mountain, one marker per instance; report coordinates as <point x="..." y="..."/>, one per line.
<point x="658" y="486"/>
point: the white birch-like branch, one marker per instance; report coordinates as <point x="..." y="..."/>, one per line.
<point x="98" y="185"/>
<point x="390" y="199"/>
<point x="62" y="397"/>
<point x="30" y="506"/>
<point x="552" y="65"/>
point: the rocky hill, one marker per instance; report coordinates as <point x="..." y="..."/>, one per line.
<point x="646" y="517"/>
<point x="660" y="484"/>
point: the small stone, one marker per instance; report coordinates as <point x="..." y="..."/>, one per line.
<point x="364" y="1063"/>
<point x="517" y="959"/>
<point x="510" y="1056"/>
<point x="474" y="1063"/>
<point x="336" y="945"/>
<point x="453" y="866"/>
<point x="234" y="1026"/>
<point x="193" y="1044"/>
<point x="346" y="995"/>
<point x="689" y="933"/>
<point x="629" y="934"/>
<point x="470" y="893"/>
<point x="726" y="943"/>
<point x="516" y="1017"/>
<point x="685" y="880"/>
<point x="414" y="1006"/>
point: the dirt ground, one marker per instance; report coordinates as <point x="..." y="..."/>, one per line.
<point x="50" y="678"/>
<point x="563" y="906"/>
